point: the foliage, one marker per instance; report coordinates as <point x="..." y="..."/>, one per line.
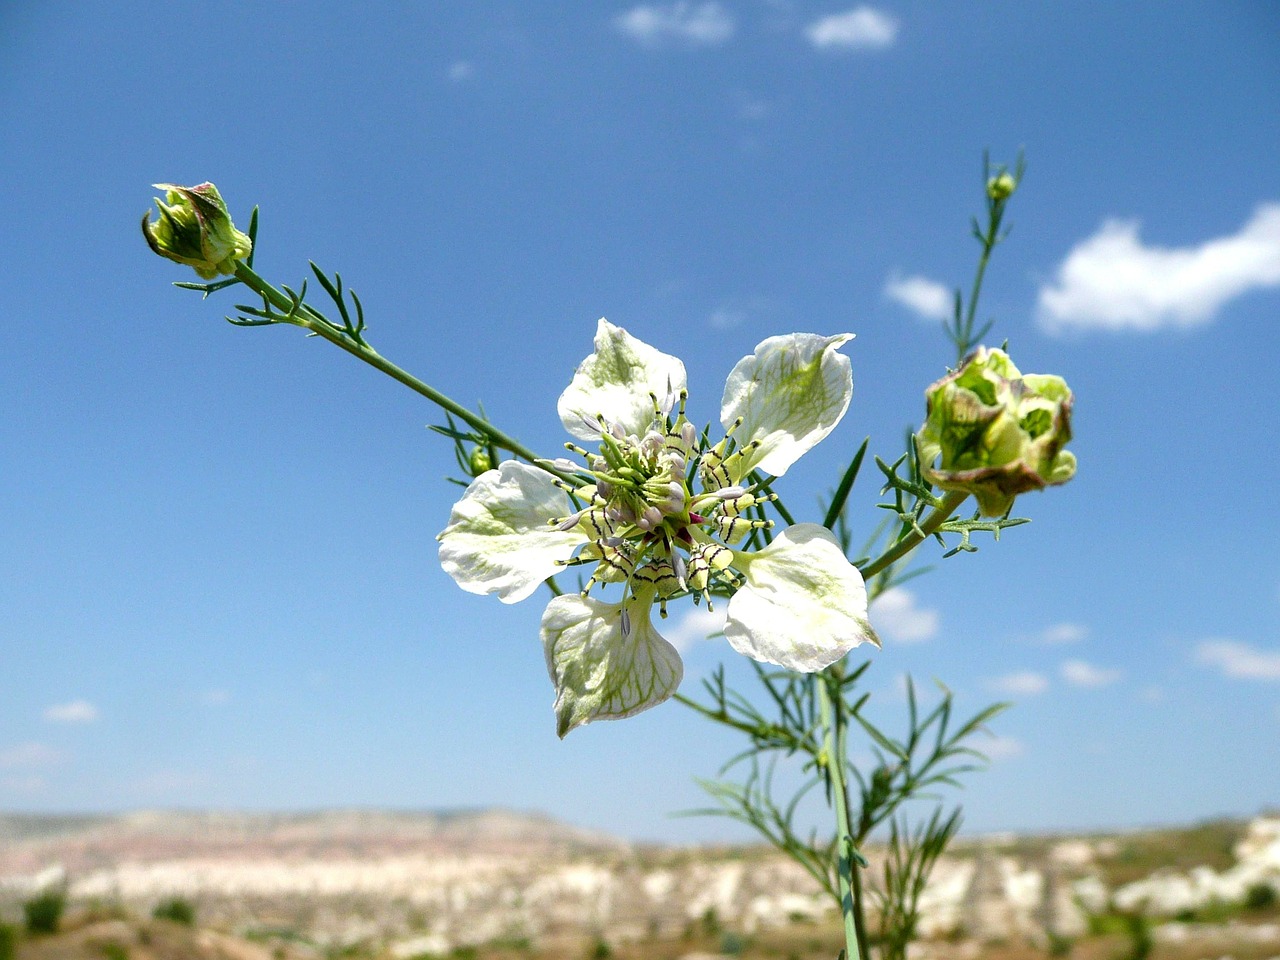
<point x="1261" y="896"/>
<point x="43" y="912"/>
<point x="8" y="942"/>
<point x="176" y="910"/>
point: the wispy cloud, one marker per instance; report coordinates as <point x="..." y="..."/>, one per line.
<point x="1241" y="660"/>
<point x="862" y="28"/>
<point x="1112" y="281"/>
<point x="737" y="310"/>
<point x="1079" y="673"/>
<point x="690" y="24"/>
<point x="216" y="697"/>
<point x="1022" y="684"/>
<point x="31" y="755"/>
<point x="461" y="70"/>
<point x="696" y="625"/>
<point x="928" y="298"/>
<point x="896" y="615"/>
<point x="76" y="711"/>
<point x="1000" y="748"/>
<point x="1059" y="634"/>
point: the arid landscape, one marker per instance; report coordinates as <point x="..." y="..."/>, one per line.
<point x="481" y="884"/>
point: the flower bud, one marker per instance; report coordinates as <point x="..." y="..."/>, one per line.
<point x="479" y="461"/>
<point x="998" y="433"/>
<point x="1001" y="186"/>
<point x="194" y="228"/>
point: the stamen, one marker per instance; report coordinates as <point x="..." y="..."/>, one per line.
<point x="563" y="464"/>
<point x="688" y="432"/>
<point x="568" y="523"/>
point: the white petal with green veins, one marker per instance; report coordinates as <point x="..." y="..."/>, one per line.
<point x="803" y="606"/>
<point x="606" y="659"/>
<point x="790" y="394"/>
<point x="499" y="540"/>
<point x="616" y="381"/>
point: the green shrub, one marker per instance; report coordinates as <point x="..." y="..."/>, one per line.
<point x="176" y="910"/>
<point x="1058" y="945"/>
<point x="115" y="951"/>
<point x="600" y="951"/>
<point x="1260" y="896"/>
<point x="43" y="912"/>
<point x="1138" y="930"/>
<point x="8" y="942"/>
<point x="731" y="944"/>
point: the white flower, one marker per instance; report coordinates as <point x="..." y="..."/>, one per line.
<point x="660" y="516"/>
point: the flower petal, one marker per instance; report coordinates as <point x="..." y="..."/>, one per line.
<point x="499" y="540"/>
<point x="790" y="394"/>
<point x="616" y="381"/>
<point x="803" y="606"/>
<point x="606" y="659"/>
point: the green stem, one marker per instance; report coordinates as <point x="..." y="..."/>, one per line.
<point x="988" y="244"/>
<point x="370" y="356"/>
<point x="936" y="518"/>
<point x="833" y="723"/>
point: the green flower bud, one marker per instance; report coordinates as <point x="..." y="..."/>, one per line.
<point x="1001" y="187"/>
<point x="998" y="433"/>
<point x="194" y="228"/>
<point x="479" y="461"/>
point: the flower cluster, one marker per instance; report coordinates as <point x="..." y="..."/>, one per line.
<point x="998" y="432"/>
<point x="662" y="513"/>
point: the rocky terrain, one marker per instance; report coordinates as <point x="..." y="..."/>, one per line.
<point x="407" y="885"/>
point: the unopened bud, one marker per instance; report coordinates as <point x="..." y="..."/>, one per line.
<point x="479" y="461"/>
<point x="1001" y="186"/>
<point x="194" y="228"/>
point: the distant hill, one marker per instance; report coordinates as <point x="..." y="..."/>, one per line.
<point x="82" y="842"/>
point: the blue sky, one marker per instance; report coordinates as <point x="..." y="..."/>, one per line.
<point x="218" y="576"/>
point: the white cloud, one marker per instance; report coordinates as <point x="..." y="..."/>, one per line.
<point x="697" y="624"/>
<point x="926" y="297"/>
<point x="77" y="711"/>
<point x="1000" y="748"/>
<point x="461" y="70"/>
<point x="896" y="617"/>
<point x="1025" y="683"/>
<point x="215" y="698"/>
<point x="1241" y="660"/>
<point x="1061" y="633"/>
<point x="1152" y="695"/>
<point x="29" y="755"/>
<point x="693" y="24"/>
<point x="862" y="28"/>
<point x="1082" y="674"/>
<point x="725" y="318"/>
<point x="1112" y="281"/>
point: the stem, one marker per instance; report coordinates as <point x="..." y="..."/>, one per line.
<point x="370" y="356"/>
<point x="988" y="244"/>
<point x="833" y="723"/>
<point x="937" y="517"/>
